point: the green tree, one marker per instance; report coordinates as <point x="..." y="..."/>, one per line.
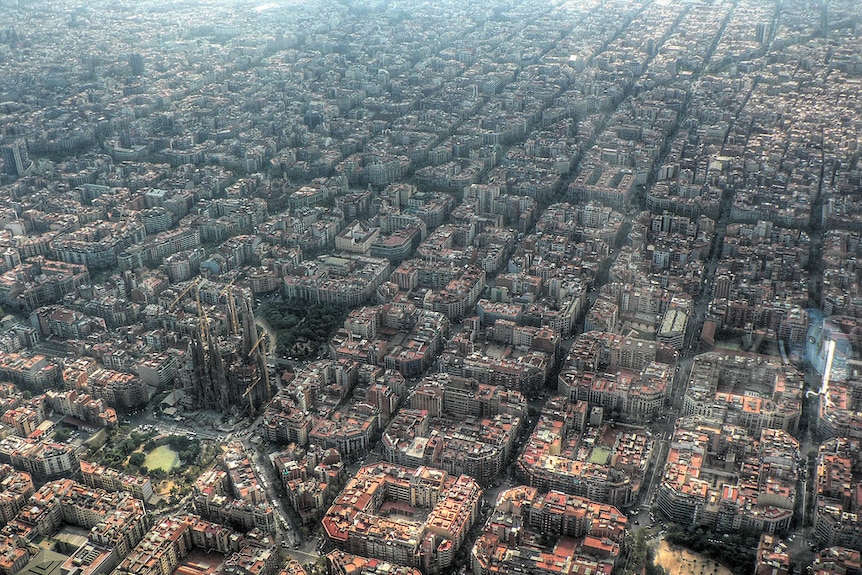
<point x="317" y="568"/>
<point x="62" y="435"/>
<point x="137" y="459"/>
<point x="128" y="446"/>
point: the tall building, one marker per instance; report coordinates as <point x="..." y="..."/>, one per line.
<point x="16" y="158"/>
<point x="229" y="372"/>
<point x="136" y="63"/>
<point x="824" y="17"/>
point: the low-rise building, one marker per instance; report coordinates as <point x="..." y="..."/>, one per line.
<point x="703" y="450"/>
<point x="361" y="520"/>
<point x="83" y="407"/>
<point x="751" y="390"/>
<point x="233" y="494"/>
<point x="101" y="477"/>
<point x="838" y="512"/>
<point x="16" y="487"/>
<point x="587" y="536"/>
<point x="41" y="459"/>
<point x="341" y="563"/>
<point x="772" y="556"/>
<point x="311" y="478"/>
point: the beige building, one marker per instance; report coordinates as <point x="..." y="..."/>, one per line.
<point x="356" y="238"/>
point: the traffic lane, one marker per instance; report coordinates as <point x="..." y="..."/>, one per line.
<point x="268" y="480"/>
<point x="302" y="556"/>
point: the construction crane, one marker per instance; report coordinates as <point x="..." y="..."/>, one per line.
<point x="231" y="305"/>
<point x="248" y="392"/>
<point x="234" y="321"/>
<point x="257" y="343"/>
<point x="227" y="286"/>
<point x="183" y="293"/>
<point x="250" y="396"/>
<point x="264" y="376"/>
